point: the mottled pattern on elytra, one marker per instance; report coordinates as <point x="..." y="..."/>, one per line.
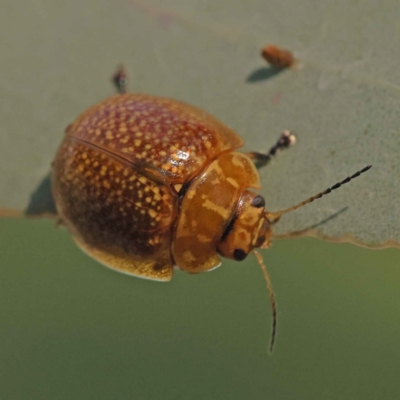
<point x="107" y="204"/>
<point x="163" y="138"/>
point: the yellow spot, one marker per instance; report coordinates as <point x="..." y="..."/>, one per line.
<point x="147" y="147"/>
<point x="109" y="135"/>
<point x="190" y="194"/>
<point x="98" y="132"/>
<point x="232" y="182"/>
<point x="124" y="139"/>
<point x="123" y="129"/>
<point x="81" y="167"/>
<point x="137" y="142"/>
<point x="188" y="256"/>
<point x="84" y="155"/>
<point x="208" y="145"/>
<point x="143" y="180"/>
<point x="162" y="153"/>
<point x="216" y="167"/>
<point x="138" y="134"/>
<point x="203" y="238"/>
<point x="152" y="213"/>
<point x="148" y="199"/>
<point x="222" y="211"/>
<point x="166" y="167"/>
<point x="238" y="161"/>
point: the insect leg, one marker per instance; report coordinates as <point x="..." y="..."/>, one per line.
<point x="286" y="140"/>
<point x="120" y="80"/>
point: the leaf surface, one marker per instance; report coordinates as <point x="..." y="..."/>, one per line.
<point x="342" y="99"/>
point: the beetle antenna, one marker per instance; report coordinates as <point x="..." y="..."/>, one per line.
<point x="275" y="216"/>
<point x="271" y="297"/>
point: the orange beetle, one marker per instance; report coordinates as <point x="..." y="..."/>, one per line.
<point x="145" y="183"/>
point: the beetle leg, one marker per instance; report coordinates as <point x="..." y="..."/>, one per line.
<point x="286" y="140"/>
<point x="120" y="80"/>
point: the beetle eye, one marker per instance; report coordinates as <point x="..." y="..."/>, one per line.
<point x="258" y="201"/>
<point x="239" y="254"/>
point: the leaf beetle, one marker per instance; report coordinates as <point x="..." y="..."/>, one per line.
<point x="146" y="183"/>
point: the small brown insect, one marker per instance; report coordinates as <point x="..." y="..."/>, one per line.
<point x="144" y="183"/>
<point x="277" y="57"/>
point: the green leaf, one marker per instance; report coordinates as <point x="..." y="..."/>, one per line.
<point x="342" y="99"/>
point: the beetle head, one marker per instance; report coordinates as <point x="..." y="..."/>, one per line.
<point x="248" y="229"/>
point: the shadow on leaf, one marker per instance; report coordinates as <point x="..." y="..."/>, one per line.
<point x="41" y="203"/>
<point x="263" y="74"/>
<point x="305" y="231"/>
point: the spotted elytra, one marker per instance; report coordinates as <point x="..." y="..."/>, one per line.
<point x="146" y="183"/>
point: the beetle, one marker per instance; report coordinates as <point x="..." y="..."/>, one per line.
<point x="146" y="183"/>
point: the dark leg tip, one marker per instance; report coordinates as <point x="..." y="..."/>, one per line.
<point x="120" y="80"/>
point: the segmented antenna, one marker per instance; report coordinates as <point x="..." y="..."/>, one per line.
<point x="275" y="216"/>
<point x="271" y="297"/>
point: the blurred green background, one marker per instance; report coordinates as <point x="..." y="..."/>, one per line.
<point x="72" y="329"/>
